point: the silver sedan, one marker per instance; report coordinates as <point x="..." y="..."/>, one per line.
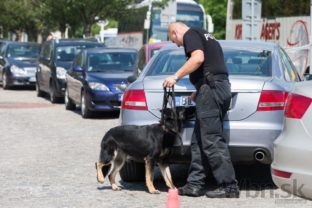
<point x="261" y="75"/>
<point x="292" y="165"/>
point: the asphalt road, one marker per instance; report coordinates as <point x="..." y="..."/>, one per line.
<point x="47" y="157"/>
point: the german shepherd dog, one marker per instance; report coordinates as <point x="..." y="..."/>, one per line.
<point x="150" y="143"/>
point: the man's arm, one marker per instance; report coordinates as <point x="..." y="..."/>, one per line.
<point x="196" y="59"/>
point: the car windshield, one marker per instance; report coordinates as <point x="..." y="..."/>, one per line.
<point x="238" y="62"/>
<point x="23" y="51"/>
<point x="248" y="61"/>
<point x="111" y="61"/>
<point x="67" y="53"/>
<point x="154" y="51"/>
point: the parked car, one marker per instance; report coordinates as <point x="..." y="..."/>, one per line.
<point x="98" y="79"/>
<point x="261" y="75"/>
<point x="147" y="51"/>
<point x="18" y="63"/>
<point x="55" y="59"/>
<point x="292" y="164"/>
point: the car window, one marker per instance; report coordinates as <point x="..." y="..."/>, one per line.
<point x="67" y="53"/>
<point x="290" y="72"/>
<point x="238" y="62"/>
<point x="111" y="61"/>
<point x="142" y="60"/>
<point x="79" y="60"/>
<point x="248" y="62"/>
<point x="23" y="51"/>
<point x="2" y="50"/>
<point x="168" y="62"/>
<point x="46" y="51"/>
<point x="154" y="52"/>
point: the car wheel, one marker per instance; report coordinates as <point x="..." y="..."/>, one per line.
<point x="38" y="91"/>
<point x="132" y="172"/>
<point x="53" y="97"/>
<point x="85" y="112"/>
<point x="5" y="81"/>
<point x="69" y="105"/>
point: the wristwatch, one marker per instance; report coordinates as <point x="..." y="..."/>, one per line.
<point x="175" y="77"/>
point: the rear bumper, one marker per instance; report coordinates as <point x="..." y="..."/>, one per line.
<point x="292" y="154"/>
<point x="245" y="138"/>
<point x="239" y="155"/>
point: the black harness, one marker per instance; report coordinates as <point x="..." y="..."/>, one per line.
<point x="169" y="99"/>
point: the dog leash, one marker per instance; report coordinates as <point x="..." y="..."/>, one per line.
<point x="170" y="96"/>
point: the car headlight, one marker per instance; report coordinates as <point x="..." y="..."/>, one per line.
<point x="98" y="86"/>
<point x="17" y="71"/>
<point x="60" y="72"/>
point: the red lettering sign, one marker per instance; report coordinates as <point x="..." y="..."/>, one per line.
<point x="269" y="31"/>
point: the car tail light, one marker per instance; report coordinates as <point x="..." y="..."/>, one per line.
<point x="134" y="99"/>
<point x="272" y="100"/>
<point x="296" y="106"/>
<point x="280" y="173"/>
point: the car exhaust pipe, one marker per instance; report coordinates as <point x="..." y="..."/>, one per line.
<point x="259" y="155"/>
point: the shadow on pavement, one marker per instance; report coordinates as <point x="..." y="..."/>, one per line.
<point x="250" y="177"/>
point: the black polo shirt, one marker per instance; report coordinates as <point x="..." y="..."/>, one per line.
<point x="197" y="38"/>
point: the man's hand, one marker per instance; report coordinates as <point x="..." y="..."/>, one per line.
<point x="170" y="81"/>
<point x="193" y="96"/>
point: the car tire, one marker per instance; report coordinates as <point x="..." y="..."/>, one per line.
<point x="69" y="105"/>
<point x="85" y="112"/>
<point x="53" y="97"/>
<point x="5" y="85"/>
<point x="132" y="172"/>
<point x="38" y="91"/>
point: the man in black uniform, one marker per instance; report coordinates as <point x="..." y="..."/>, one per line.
<point x="208" y="73"/>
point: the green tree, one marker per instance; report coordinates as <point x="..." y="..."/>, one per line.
<point x="19" y="16"/>
<point x="217" y="10"/>
<point x="277" y="8"/>
<point x="87" y="11"/>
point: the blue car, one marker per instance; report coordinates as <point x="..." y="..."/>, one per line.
<point x="18" y="63"/>
<point x="98" y="78"/>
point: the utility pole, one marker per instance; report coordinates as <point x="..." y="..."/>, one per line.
<point x="251" y="16"/>
<point x="229" y="16"/>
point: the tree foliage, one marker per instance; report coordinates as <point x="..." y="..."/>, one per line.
<point x="19" y="16"/>
<point x="49" y="15"/>
<point x="277" y="8"/>
<point x="217" y="10"/>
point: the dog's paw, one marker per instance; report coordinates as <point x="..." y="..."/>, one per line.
<point x="100" y="180"/>
<point x="116" y="188"/>
<point x="155" y="192"/>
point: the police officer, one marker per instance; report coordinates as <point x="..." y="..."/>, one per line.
<point x="208" y="73"/>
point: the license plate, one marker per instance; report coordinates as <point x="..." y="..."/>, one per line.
<point x="184" y="101"/>
<point x="32" y="79"/>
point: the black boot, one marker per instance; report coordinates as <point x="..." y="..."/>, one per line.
<point x="224" y="191"/>
<point x="191" y="190"/>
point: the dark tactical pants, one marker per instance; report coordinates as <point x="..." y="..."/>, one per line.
<point x="209" y="148"/>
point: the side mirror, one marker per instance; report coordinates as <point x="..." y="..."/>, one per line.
<point x="77" y="69"/>
<point x="131" y="79"/>
<point x="307" y="77"/>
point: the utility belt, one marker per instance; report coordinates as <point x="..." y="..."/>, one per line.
<point x="210" y="79"/>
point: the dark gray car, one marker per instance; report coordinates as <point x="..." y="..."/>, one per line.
<point x="261" y="75"/>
